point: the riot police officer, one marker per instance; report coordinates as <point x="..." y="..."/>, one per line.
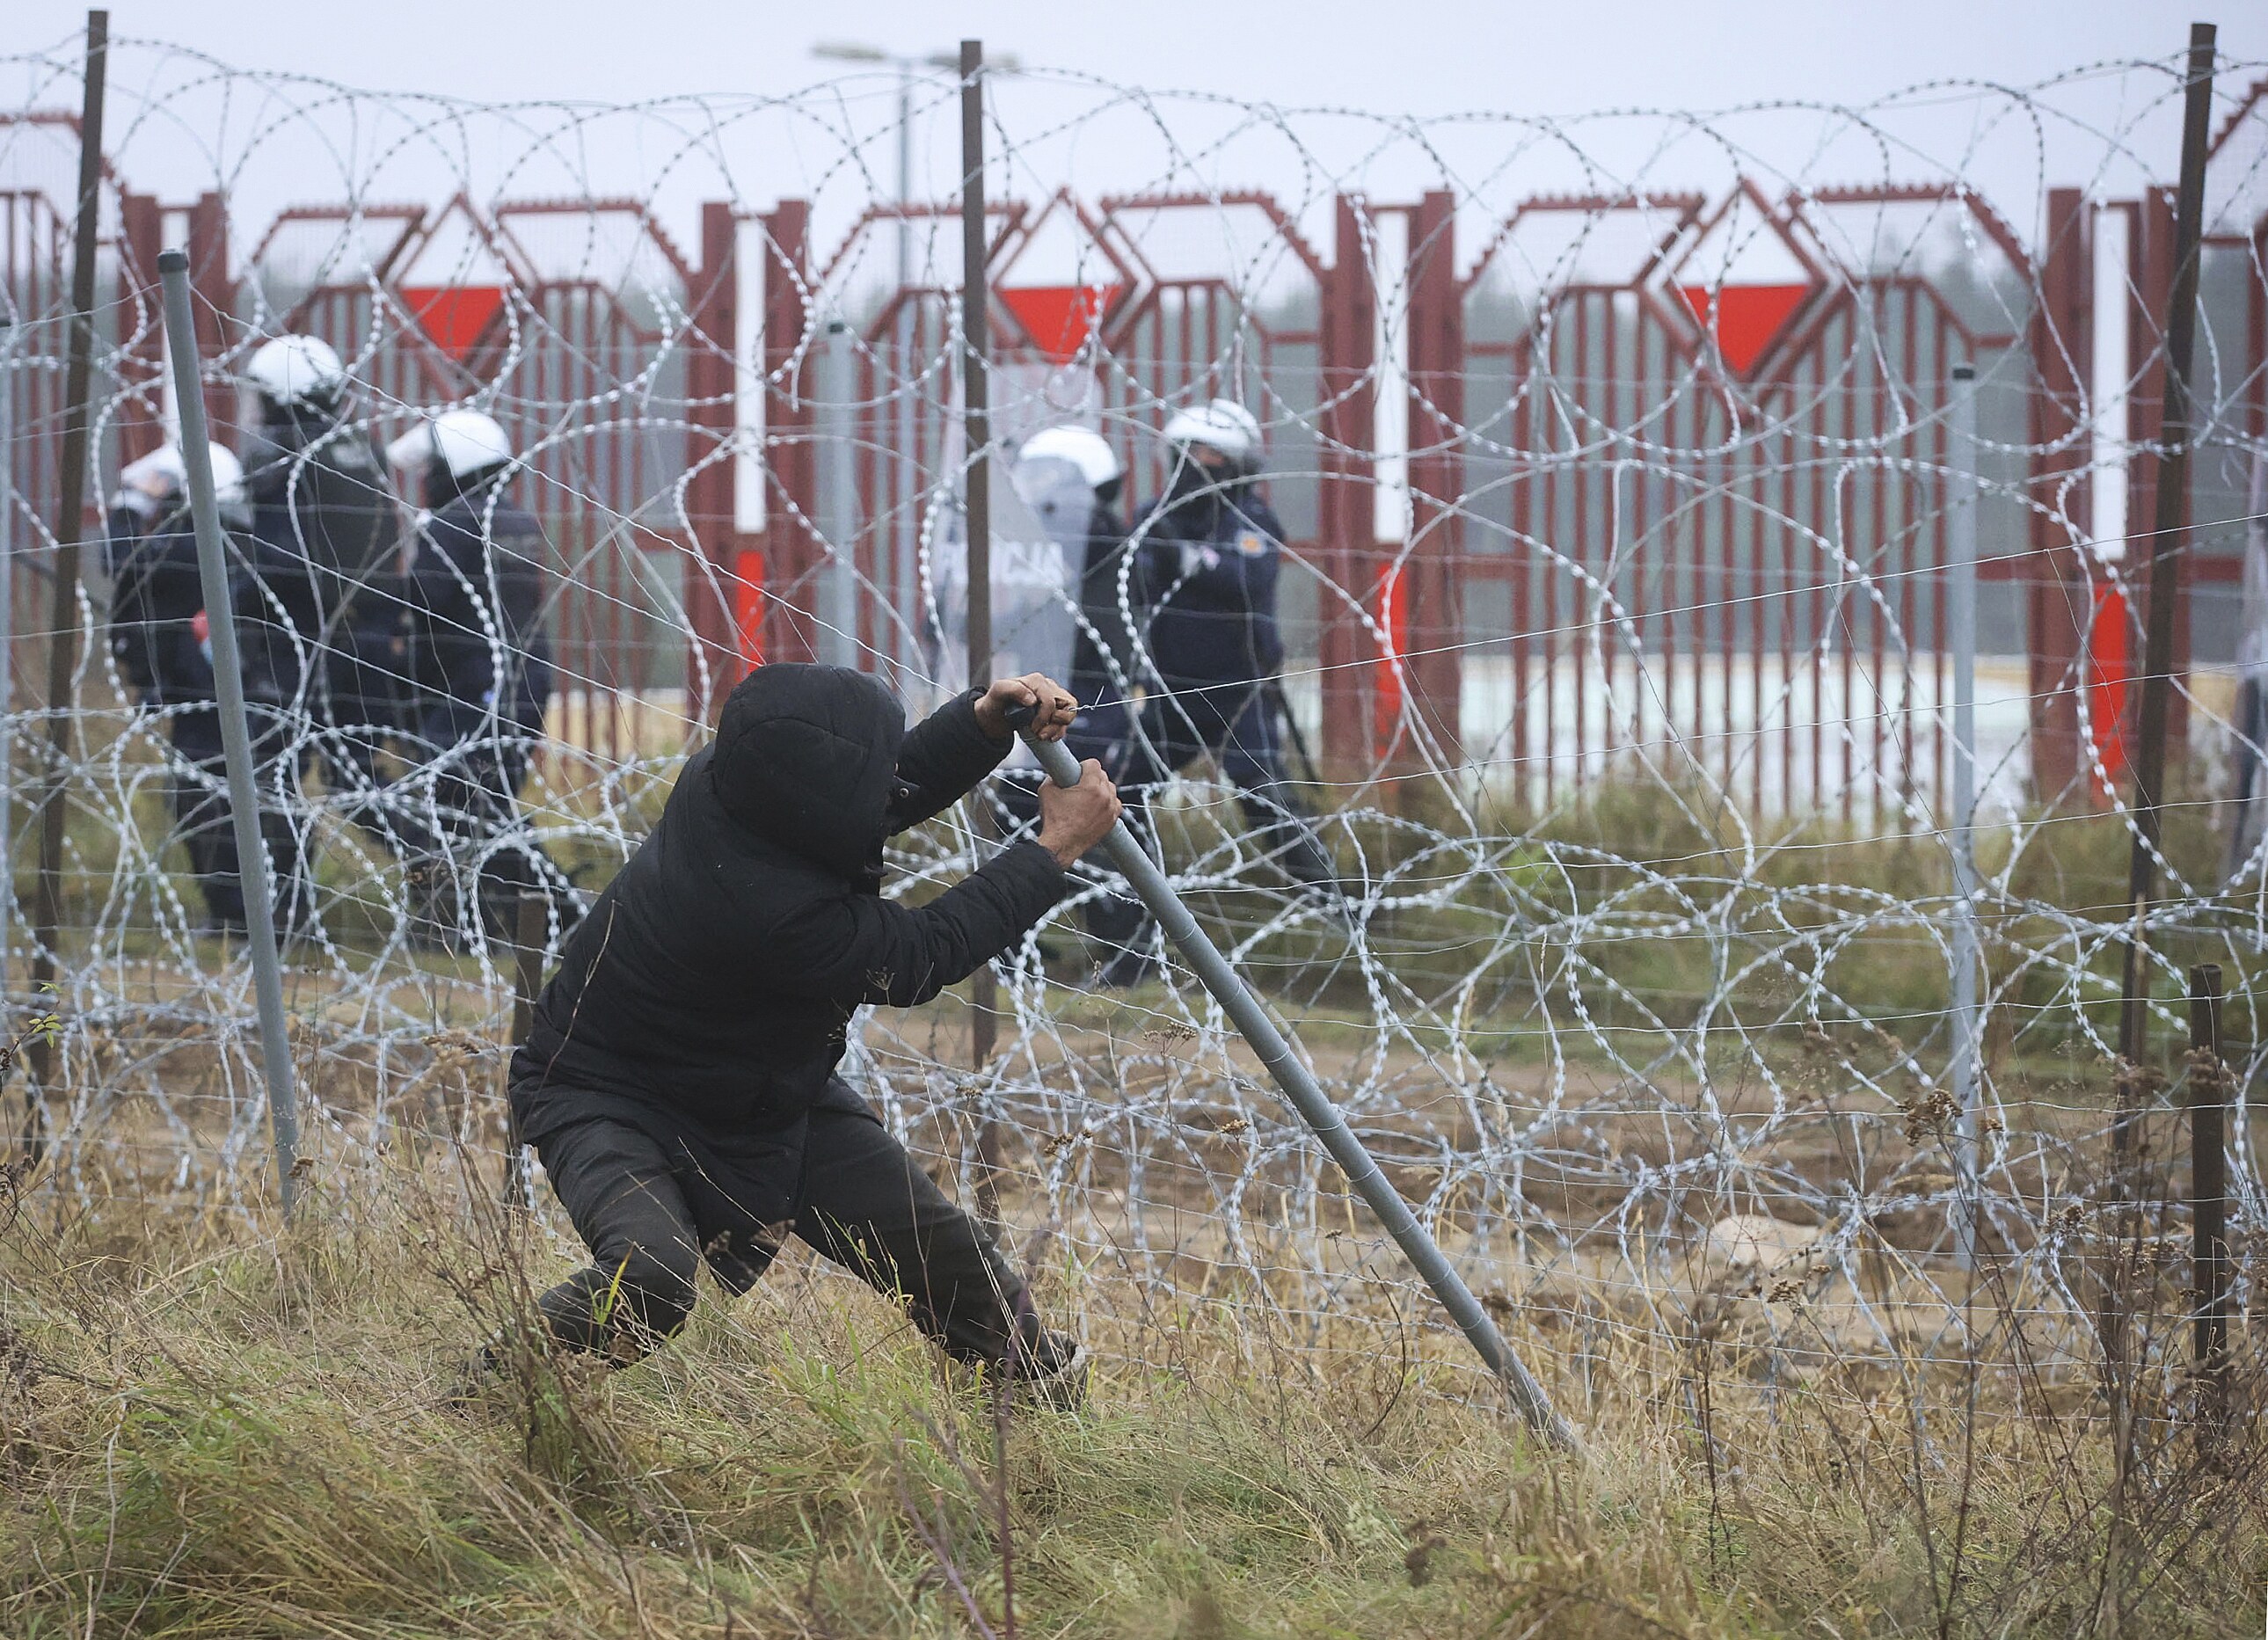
<point x="161" y="641"/>
<point x="1084" y="510"/>
<point x="326" y="612"/>
<point x="1070" y="479"/>
<point x="1208" y="553"/>
<point x="482" y="666"/>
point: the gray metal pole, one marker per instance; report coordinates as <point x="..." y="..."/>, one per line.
<point x="905" y="578"/>
<point x="1961" y="636"/>
<point x="1320" y="1113"/>
<point x="235" y="733"/>
<point x="838" y="501"/>
<point x="7" y="644"/>
<point x="905" y="172"/>
<point x="530" y="928"/>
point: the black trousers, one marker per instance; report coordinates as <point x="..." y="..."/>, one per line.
<point x="650" y="1219"/>
<point x="197" y="787"/>
<point x="458" y="823"/>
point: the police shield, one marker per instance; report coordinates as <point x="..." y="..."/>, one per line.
<point x="1039" y="542"/>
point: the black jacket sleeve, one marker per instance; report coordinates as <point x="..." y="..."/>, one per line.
<point x="943" y="758"/>
<point x="858" y="948"/>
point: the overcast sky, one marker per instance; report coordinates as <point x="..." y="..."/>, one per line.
<point x="1511" y="60"/>
<point x="1423" y="57"/>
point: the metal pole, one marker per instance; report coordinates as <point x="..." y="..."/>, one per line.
<point x="1961" y="636"/>
<point x="905" y="172"/>
<point x="2208" y="1097"/>
<point x="1317" y="1110"/>
<point x="63" y="646"/>
<point x="975" y="342"/>
<point x="531" y="926"/>
<point x="2166" y="550"/>
<point x="905" y="571"/>
<point x="838" y="501"/>
<point x="7" y="645"/>
<point x="235" y="733"/>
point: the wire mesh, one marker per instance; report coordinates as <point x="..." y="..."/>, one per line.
<point x="1615" y="462"/>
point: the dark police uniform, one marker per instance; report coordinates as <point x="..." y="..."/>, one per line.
<point x="482" y="670"/>
<point x="158" y="637"/>
<point x="1206" y="569"/>
<point x="326" y="614"/>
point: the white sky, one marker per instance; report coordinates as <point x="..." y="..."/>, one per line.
<point x="1512" y="61"/>
<point x="1417" y="56"/>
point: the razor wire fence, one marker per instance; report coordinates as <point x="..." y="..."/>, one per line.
<point x="1617" y="458"/>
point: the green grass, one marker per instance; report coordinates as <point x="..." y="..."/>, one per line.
<point x="209" y="1433"/>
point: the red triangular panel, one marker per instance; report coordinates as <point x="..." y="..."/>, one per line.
<point x="1060" y="317"/>
<point x="454" y="315"/>
<point x="1748" y="316"/>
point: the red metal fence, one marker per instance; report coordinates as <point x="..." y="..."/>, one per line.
<point x="1584" y="459"/>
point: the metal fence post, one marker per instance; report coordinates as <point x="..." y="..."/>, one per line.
<point x="1315" y="1107"/>
<point x="236" y="734"/>
<point x="839" y="497"/>
<point x="1960" y="635"/>
<point x="531" y="926"/>
<point x="7" y="645"/>
<point x="2164" y="578"/>
<point x="63" y="646"/>
<point x="975" y="345"/>
<point x="2208" y="1097"/>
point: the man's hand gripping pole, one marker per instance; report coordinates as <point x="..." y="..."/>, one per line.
<point x="1314" y="1107"/>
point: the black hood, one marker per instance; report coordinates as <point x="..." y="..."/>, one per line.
<point x="807" y="759"/>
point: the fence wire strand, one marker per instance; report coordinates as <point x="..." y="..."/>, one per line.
<point x="1615" y="466"/>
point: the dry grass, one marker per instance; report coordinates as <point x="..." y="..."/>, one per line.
<point x="209" y="1430"/>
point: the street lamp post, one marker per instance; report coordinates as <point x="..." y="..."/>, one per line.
<point x="905" y="570"/>
<point x="908" y="67"/>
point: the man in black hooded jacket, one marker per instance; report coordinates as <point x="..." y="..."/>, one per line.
<point x="679" y="1082"/>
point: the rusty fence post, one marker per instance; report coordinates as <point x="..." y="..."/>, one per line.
<point x="2166" y="544"/>
<point x="2208" y="1103"/>
<point x="975" y="341"/>
<point x="62" y="619"/>
<point x="2136" y="1081"/>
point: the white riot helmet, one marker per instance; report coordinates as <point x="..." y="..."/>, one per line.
<point x="461" y="445"/>
<point x="291" y="371"/>
<point x="160" y="481"/>
<point x="1084" y="448"/>
<point x="1224" y="425"/>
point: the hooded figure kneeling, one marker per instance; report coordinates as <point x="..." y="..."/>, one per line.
<point x="680" y="1081"/>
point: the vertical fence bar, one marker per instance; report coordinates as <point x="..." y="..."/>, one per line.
<point x="2149" y="757"/>
<point x="2171" y="498"/>
<point x="62" y="624"/>
<point x="236" y="737"/>
<point x="531" y="927"/>
<point x="1961" y="636"/>
<point x="7" y="644"/>
<point x="838" y="499"/>
<point x="2209" y="1102"/>
<point x="975" y="342"/>
<point x="2055" y="585"/>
